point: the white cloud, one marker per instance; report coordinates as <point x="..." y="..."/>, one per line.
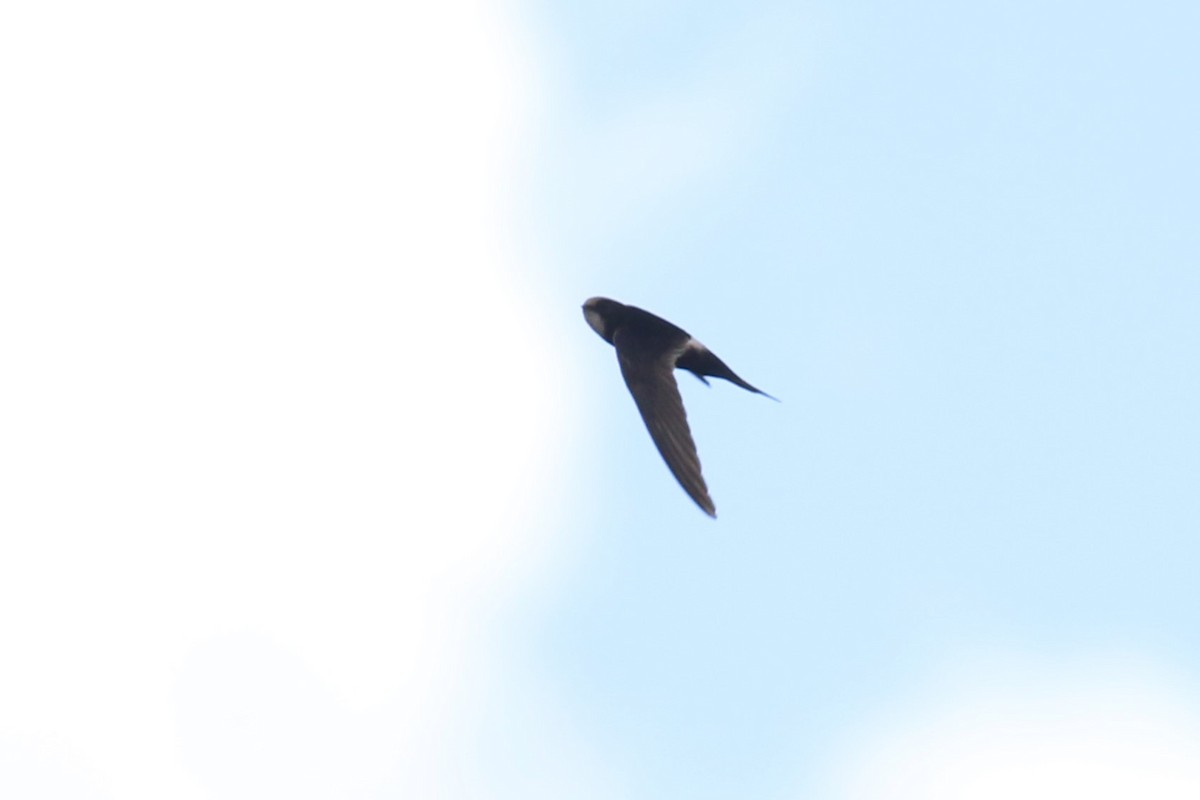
<point x="1101" y="727"/>
<point x="276" y="402"/>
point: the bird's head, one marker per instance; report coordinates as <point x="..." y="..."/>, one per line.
<point x="602" y="314"/>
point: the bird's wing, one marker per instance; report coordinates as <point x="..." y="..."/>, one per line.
<point x="649" y="374"/>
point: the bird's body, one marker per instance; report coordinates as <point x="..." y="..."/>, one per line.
<point x="649" y="349"/>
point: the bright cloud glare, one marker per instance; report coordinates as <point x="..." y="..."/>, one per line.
<point x="276" y="412"/>
<point x="1104" y="729"/>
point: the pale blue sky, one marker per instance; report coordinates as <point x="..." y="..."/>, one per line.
<point x="959" y="242"/>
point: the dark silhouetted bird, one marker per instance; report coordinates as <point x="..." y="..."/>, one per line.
<point x="649" y="349"/>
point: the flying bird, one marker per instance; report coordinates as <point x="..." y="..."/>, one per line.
<point x="649" y="349"/>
